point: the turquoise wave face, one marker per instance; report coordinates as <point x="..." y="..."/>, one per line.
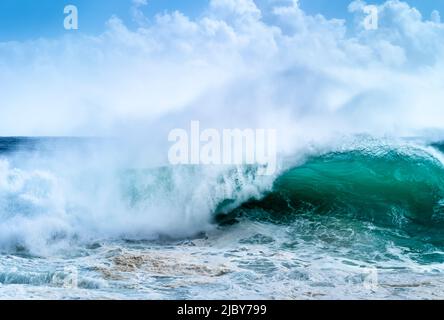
<point x="402" y="189"/>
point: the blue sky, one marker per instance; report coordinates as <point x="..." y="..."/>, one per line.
<point x="29" y="19"/>
<point x="338" y="8"/>
<point x="24" y="19"/>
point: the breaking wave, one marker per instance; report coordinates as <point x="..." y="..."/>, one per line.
<point x="392" y="186"/>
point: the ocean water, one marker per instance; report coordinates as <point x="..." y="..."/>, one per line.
<point x="364" y="220"/>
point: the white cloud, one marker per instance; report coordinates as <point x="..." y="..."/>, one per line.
<point x="230" y="66"/>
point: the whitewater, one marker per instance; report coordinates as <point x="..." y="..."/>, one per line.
<point x="323" y="227"/>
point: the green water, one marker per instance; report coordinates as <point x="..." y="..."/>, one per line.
<point x="380" y="197"/>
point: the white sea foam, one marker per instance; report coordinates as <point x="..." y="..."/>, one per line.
<point x="49" y="207"/>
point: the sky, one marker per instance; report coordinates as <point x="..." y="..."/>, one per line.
<point x="30" y="19"/>
<point x="147" y="67"/>
<point x="338" y="8"/>
<point x="25" y="19"/>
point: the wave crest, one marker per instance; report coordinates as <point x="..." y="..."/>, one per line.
<point x="388" y="186"/>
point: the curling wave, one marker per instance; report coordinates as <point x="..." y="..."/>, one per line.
<point x="394" y="187"/>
